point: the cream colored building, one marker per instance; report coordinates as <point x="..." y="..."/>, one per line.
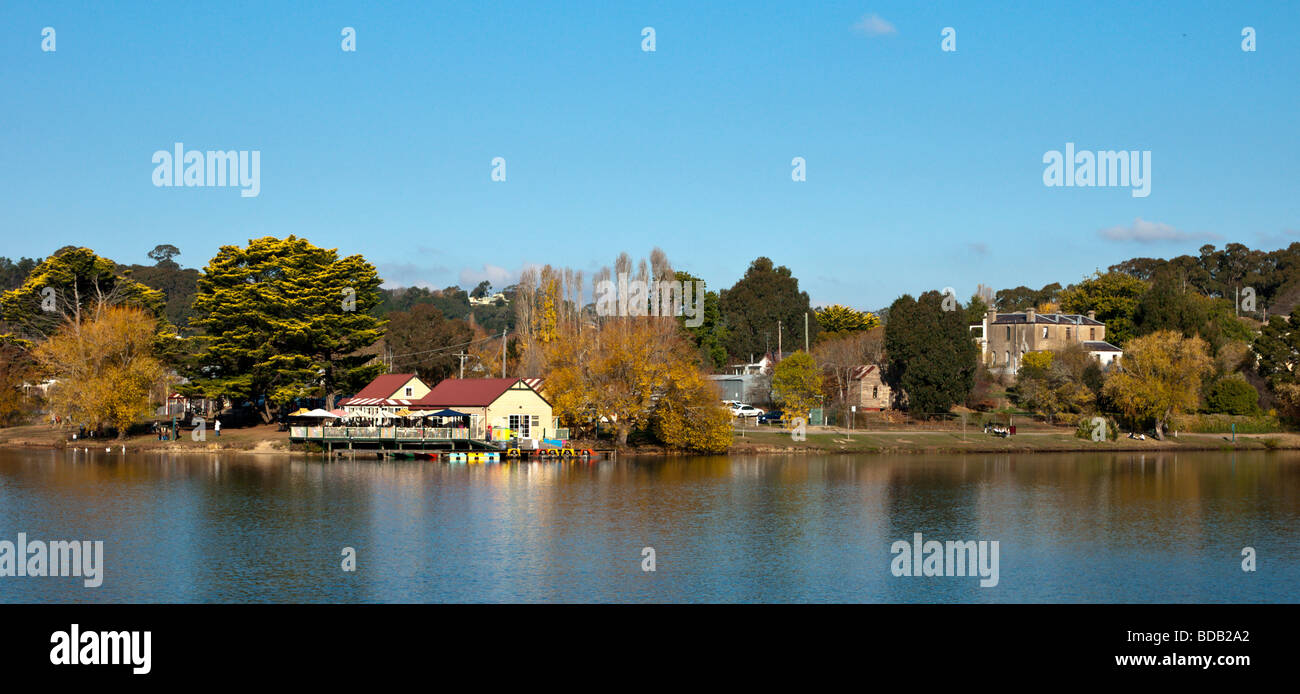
<point x="1005" y="338"/>
<point x="385" y="396"/>
<point x="512" y="407"/>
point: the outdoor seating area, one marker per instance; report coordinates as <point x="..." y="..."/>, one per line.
<point x="405" y="419"/>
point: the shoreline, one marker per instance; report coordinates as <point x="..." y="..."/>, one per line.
<point x="261" y="441"/>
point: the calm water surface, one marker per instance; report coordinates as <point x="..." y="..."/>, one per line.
<point x="256" y="528"/>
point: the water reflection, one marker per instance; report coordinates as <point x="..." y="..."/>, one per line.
<point x="221" y="527"/>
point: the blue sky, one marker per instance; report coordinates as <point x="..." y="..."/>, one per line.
<point x="924" y="167"/>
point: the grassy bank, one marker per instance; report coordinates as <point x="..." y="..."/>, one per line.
<point x="975" y="441"/>
<point x="263" y="438"/>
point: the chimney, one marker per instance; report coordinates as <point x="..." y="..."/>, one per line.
<point x="992" y="316"/>
<point x="1092" y="315"/>
<point x="1029" y="315"/>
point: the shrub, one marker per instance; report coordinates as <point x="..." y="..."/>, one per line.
<point x="1086" y="426"/>
<point x="1233" y="395"/>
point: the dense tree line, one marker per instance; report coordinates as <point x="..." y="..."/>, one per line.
<point x="1222" y="273"/>
<point x="269" y="322"/>
<point x="14" y="273"/>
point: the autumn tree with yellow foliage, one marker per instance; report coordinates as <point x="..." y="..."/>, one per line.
<point x="689" y="416"/>
<point x="15" y="370"/>
<point x="548" y="302"/>
<point x="638" y="371"/>
<point x="797" y="383"/>
<point x="837" y="321"/>
<point x="104" y="365"/>
<point x="1158" y="377"/>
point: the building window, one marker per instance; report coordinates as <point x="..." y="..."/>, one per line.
<point x="1067" y="333"/>
<point x="1044" y="332"/>
<point x="1008" y="358"/>
<point x="519" y="425"/>
<point x="1092" y="333"/>
<point x="875" y="392"/>
<point x="408" y="392"/>
<point x="1008" y="332"/>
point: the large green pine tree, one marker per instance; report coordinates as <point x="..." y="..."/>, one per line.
<point x="282" y="318"/>
<point x="931" y="355"/>
<point x="766" y="295"/>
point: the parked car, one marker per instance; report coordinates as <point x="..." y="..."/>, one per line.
<point x="739" y="410"/>
<point x="773" y="417"/>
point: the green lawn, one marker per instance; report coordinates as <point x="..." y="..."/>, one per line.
<point x="1044" y="439"/>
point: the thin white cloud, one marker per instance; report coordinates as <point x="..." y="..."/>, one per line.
<point x="498" y="276"/>
<point x="397" y="275"/>
<point x="1142" y="231"/>
<point x="874" y="25"/>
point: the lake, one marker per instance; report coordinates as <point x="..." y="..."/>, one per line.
<point x="225" y="528"/>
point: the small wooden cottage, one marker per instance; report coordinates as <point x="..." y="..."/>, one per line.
<point x="868" y="391"/>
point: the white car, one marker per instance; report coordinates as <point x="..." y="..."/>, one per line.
<point x="739" y="410"/>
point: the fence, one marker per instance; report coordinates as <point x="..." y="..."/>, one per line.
<point x="897" y="420"/>
<point x="394" y="433"/>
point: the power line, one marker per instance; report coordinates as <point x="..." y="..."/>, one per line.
<point x="444" y="349"/>
<point x="412" y="357"/>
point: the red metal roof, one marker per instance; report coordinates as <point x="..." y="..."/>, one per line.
<point x="385" y="386"/>
<point x="861" y="372"/>
<point x="471" y="392"/>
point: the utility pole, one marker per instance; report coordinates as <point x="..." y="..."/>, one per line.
<point x="805" y="331"/>
<point x="503" y="353"/>
<point x="462" y="356"/>
<point x="778" y="340"/>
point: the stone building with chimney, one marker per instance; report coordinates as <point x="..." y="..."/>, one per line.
<point x="1005" y="338"/>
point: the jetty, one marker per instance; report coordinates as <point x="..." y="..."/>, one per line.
<point x="449" y="444"/>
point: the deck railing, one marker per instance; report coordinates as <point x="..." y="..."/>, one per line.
<point x="392" y="433"/>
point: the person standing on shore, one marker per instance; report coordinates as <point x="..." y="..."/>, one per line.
<point x="216" y="426"/>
